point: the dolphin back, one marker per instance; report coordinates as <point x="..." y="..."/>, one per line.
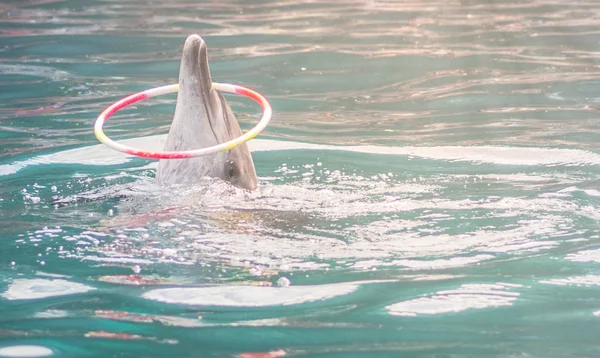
<point x="203" y="118"/>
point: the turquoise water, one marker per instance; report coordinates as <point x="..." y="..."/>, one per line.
<point x="429" y="183"/>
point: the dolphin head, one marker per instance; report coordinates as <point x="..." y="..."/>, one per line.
<point x="203" y="118"/>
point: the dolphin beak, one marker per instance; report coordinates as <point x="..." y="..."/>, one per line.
<point x="194" y="67"/>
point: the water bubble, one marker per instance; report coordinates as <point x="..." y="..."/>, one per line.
<point x="53" y="188"/>
<point x="12" y="263"/>
<point x="283" y="282"/>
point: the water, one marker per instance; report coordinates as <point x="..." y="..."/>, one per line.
<point x="429" y="183"/>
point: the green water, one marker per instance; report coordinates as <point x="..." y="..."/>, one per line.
<point x="429" y="183"/>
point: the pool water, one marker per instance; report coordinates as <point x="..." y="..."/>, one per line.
<point x="428" y="184"/>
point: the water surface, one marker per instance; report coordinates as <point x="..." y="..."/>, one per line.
<point x="429" y="182"/>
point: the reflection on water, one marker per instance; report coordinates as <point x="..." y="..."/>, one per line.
<point x="250" y="296"/>
<point x="466" y="297"/>
<point x="25" y="351"/>
<point x="31" y="289"/>
<point x="588" y="280"/>
<point x="429" y="183"/>
<point x="399" y="72"/>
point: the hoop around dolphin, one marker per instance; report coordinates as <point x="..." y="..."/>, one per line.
<point x="222" y="87"/>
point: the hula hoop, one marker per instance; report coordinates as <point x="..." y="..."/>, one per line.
<point x="223" y="87"/>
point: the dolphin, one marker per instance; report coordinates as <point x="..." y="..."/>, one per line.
<point x="203" y="118"/>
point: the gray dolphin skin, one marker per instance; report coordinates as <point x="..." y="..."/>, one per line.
<point x="202" y="119"/>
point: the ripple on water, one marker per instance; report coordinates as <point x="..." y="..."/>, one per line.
<point x="310" y="216"/>
<point x="502" y="155"/>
